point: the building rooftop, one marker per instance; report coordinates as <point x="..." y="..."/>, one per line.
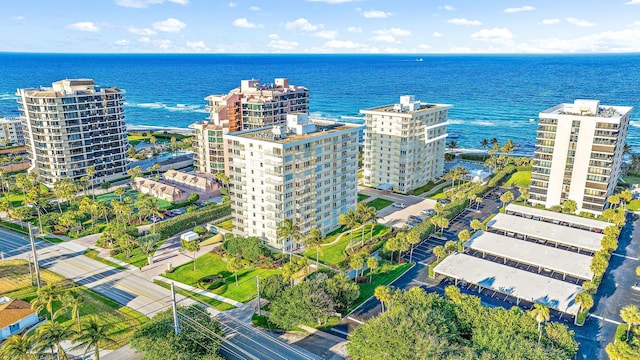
<point x="530" y="253"/>
<point x="556" y="216"/>
<point x="407" y="105"/>
<point x="589" y="108"/>
<point x="321" y="128"/>
<point x="69" y="87"/>
<point x="13" y="310"/>
<point x="581" y="239"/>
<point x="521" y="284"/>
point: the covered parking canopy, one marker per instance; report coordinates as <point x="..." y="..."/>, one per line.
<point x="558" y="234"/>
<point x="531" y="253"/>
<point x="522" y="285"/>
<point x="551" y="216"/>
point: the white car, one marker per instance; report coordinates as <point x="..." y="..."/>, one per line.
<point x="636" y="286"/>
<point x="399" y="205"/>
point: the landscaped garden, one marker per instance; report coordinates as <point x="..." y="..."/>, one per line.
<point x="379" y="203"/>
<point x="520" y="179"/>
<point x="15" y="283"/>
<point x="427" y="187"/>
<point x="133" y="195"/>
<point x="362" y="197"/>
<point x="225" y="224"/>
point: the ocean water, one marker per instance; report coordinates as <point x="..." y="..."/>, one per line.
<point x="493" y="95"/>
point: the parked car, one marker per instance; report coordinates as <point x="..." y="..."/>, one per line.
<point x="168" y="214"/>
<point x="444" y="201"/>
<point x="636" y="286"/>
<point x="399" y="205"/>
<point x="155" y="218"/>
<point x="179" y="211"/>
<point x="408" y="225"/>
<point x="415" y="219"/>
<point x="428" y="212"/>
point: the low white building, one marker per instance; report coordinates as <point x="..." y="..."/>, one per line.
<point x="11" y="132"/>
<point x="15" y="316"/>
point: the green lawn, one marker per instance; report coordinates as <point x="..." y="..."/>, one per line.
<point x="212" y="264"/>
<point x="383" y="276"/>
<point x="136" y="259"/>
<point x="15" y="198"/>
<point x="225" y="225"/>
<point x="15" y="283"/>
<point x="379" y="203"/>
<point x="133" y="194"/>
<point x="633" y="205"/>
<point x="428" y="186"/>
<point x="362" y="197"/>
<point x="220" y="305"/>
<point x="334" y="254"/>
<point x="631" y="179"/>
<point x="93" y="254"/>
<point x="519" y="179"/>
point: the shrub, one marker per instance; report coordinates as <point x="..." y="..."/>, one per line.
<point x="193" y="198"/>
<point x="211" y="282"/>
<point x="621" y="332"/>
<point x="501" y="175"/>
<point x="183" y="222"/>
<point x="200" y="230"/>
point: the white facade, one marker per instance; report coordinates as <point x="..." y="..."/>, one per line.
<point x="72" y="126"/>
<point x="578" y="154"/>
<point x="306" y="172"/>
<point x="404" y="144"/>
<point x="11" y="131"/>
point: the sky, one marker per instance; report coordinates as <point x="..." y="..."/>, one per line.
<point x="320" y="26"/>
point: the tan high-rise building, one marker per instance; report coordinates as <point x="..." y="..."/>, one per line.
<point x="252" y="105"/>
<point x="404" y="144"/>
<point x="72" y="126"/>
<point x="305" y="171"/>
<point x="579" y="150"/>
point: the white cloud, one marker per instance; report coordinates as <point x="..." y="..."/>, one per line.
<point x="632" y="2"/>
<point x="141" y="4"/>
<point x="354" y="29"/>
<point x="254" y="8"/>
<point x="376" y="14"/>
<point x="579" y="22"/>
<point x="459" y="49"/>
<point x="163" y="44"/>
<point x="550" y="21"/>
<point x="244" y="23"/>
<point x="342" y="44"/>
<point x="280" y="44"/>
<point x="389" y="35"/>
<point x="447" y="7"/>
<point x="385" y="38"/>
<point x="197" y="46"/>
<point x="302" y="24"/>
<point x="437" y="34"/>
<point x="463" y="21"/>
<point x="169" y="25"/>
<point x="495" y="34"/>
<point x="18" y="18"/>
<point x="519" y="9"/>
<point x="232" y="4"/>
<point x="144" y="40"/>
<point x="122" y="42"/>
<point x="145" y="31"/>
<point x="83" y="26"/>
<point x="331" y="1"/>
<point x="326" y="34"/>
<point x="623" y="41"/>
<point x="424" y="46"/>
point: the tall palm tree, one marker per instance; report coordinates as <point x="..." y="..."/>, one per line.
<point x="631" y="316"/>
<point x="452" y="145"/>
<point x="541" y="314"/>
<point x="93" y="335"/>
<point x="233" y="265"/>
<point x="314" y="240"/>
<point x="493" y="141"/>
<point x="193" y="247"/>
<point x="356" y="262"/>
<point x="484" y="143"/>
<point x="384" y="294"/>
<point x="51" y="334"/>
<point x="18" y="347"/>
<point x="289" y="230"/>
<point x="289" y="272"/>
<point x="439" y="252"/>
<point x="585" y="300"/>
<point x="372" y="264"/>
<point x="350" y="221"/>
<point x="368" y="215"/>
<point x="413" y="238"/>
<point x="72" y="301"/>
<point x="46" y="295"/>
<point x="91" y="173"/>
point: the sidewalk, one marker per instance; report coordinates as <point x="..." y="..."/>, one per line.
<point x="199" y="291"/>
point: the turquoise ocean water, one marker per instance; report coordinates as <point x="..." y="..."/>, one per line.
<point x="493" y="95"/>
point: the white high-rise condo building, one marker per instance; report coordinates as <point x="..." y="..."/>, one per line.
<point x="251" y="106"/>
<point x="11" y="131"/>
<point x="302" y="170"/>
<point x="72" y="126"/>
<point x="579" y="149"/>
<point x="404" y="144"/>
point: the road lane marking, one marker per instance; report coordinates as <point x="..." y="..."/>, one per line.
<point x="356" y="320"/>
<point x="625" y="256"/>
<point x="605" y="319"/>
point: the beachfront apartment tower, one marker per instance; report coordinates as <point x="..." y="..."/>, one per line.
<point x="252" y="105"/>
<point x="579" y="150"/>
<point x="404" y="144"/>
<point x="72" y="126"/>
<point x="11" y="131"/>
<point x="303" y="170"/>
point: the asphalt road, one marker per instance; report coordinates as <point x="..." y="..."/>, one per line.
<point x="13" y="244"/>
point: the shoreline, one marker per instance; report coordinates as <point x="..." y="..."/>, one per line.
<point x="169" y="129"/>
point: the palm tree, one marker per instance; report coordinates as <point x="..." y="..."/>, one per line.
<point x="452" y="144"/>
<point x="472" y="198"/>
<point x="46" y="295"/>
<point x="372" y="264"/>
<point x="72" y="301"/>
<point x="450" y="246"/>
<point x="614" y="199"/>
<point x="91" y="173"/>
<point x="506" y="197"/>
<point x="350" y="221"/>
<point x="464" y="235"/>
<point x="484" y="143"/>
<point x="367" y="214"/>
<point x="493" y="141"/>
<point x="289" y="230"/>
<point x="156" y="168"/>
<point x="314" y="240"/>
<point x="585" y="300"/>
<point x="631" y="316"/>
<point x="541" y="314"/>
<point x="135" y="172"/>
<point x="452" y="292"/>
<point x="356" y="262"/>
<point x="439" y="252"/>
<point x="193" y="247"/>
<point x="233" y="265"/>
<point x="52" y="334"/>
<point x="413" y="238"/>
<point x="19" y="348"/>
<point x="384" y="294"/>
<point x="119" y="192"/>
<point x="625" y="196"/>
<point x="93" y="335"/>
<point x="476" y="225"/>
<point x="289" y="272"/>
<point x="101" y="210"/>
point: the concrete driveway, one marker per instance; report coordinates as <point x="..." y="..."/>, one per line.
<point x="396" y="217"/>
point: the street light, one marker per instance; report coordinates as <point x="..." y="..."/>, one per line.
<point x="35" y="256"/>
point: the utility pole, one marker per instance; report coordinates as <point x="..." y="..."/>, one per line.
<point x="30" y="271"/>
<point x="176" y="326"/>
<point x="35" y="257"/>
<point x="259" y="310"/>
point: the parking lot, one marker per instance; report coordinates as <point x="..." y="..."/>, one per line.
<point x="423" y="252"/>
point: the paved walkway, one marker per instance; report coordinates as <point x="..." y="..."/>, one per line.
<point x="199" y="291"/>
<point x="435" y="189"/>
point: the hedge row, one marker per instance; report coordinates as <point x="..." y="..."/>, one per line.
<point x="499" y="177"/>
<point x="180" y="223"/>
